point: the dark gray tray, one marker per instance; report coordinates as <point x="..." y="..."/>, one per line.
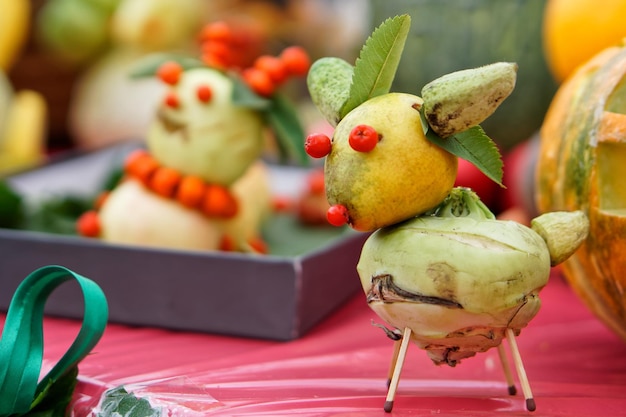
<point x="271" y="297"/>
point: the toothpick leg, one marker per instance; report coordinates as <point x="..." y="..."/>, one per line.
<point x="507" y="370"/>
<point x="394" y="359"/>
<point x="397" y="369"/>
<point x="521" y="372"/>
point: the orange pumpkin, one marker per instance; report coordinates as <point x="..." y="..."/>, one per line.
<point x="582" y="165"/>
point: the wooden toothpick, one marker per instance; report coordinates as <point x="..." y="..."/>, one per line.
<point x="521" y="372"/>
<point x="397" y="369"/>
<point x="394" y="359"/>
<point x="507" y="370"/>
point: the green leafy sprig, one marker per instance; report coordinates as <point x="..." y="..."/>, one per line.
<point x="474" y="146"/>
<point x="280" y="116"/>
<point x="378" y="61"/>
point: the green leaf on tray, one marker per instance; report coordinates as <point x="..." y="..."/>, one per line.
<point x="11" y="206"/>
<point x="376" y="66"/>
<point x="148" y="65"/>
<point x="57" y="214"/>
<point x="283" y="120"/>
<point x="118" y="402"/>
<point x="287" y="236"/>
<point x="474" y="146"/>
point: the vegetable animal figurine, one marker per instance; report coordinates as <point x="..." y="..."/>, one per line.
<point x="581" y="166"/>
<point x="475" y="281"/>
<point x="201" y="184"/>
<point x="439" y="268"/>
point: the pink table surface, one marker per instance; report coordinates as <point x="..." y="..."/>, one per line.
<point x="575" y="365"/>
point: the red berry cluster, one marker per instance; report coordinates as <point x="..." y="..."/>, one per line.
<point x="225" y="47"/>
<point x="270" y="72"/>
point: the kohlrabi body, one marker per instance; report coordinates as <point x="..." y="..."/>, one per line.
<point x="458" y="277"/>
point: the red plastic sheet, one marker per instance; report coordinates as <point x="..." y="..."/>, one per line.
<point x="575" y="365"/>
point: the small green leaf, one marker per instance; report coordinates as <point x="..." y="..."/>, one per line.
<point x="376" y="66"/>
<point x="288" y="130"/>
<point x="243" y="96"/>
<point x="474" y="146"/>
<point x="118" y="402"/>
<point x="55" y="398"/>
<point x="57" y="214"/>
<point x="11" y="206"/>
<point x="148" y="65"/>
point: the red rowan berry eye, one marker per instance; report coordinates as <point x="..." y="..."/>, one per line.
<point x="363" y="138"/>
<point x="169" y="72"/>
<point x="337" y="215"/>
<point x="317" y="145"/>
<point x="204" y="93"/>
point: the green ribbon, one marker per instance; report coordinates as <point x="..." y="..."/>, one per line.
<point x="21" y="345"/>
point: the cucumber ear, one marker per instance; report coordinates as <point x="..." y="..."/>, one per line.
<point x="463" y="99"/>
<point x="563" y="232"/>
<point x="329" y="82"/>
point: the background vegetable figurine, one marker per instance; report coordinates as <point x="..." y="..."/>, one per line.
<point x="14" y="26"/>
<point x="201" y="184"/>
<point x="23" y="121"/>
<point x="439" y="268"/>
<point x="24" y="114"/>
<point x="581" y="166"/>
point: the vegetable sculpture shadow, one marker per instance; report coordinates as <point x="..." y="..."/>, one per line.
<point x="438" y="266"/>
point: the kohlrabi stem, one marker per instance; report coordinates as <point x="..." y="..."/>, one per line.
<point x="463" y="202"/>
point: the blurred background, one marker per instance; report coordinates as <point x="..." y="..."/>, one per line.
<point x="77" y="53"/>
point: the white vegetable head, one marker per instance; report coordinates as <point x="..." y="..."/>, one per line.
<point x="215" y="140"/>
